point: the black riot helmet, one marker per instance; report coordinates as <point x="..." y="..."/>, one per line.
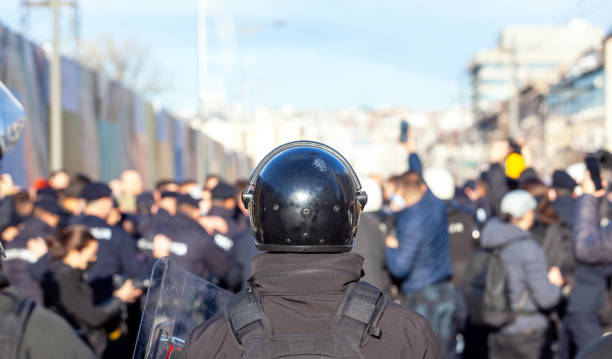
<point x="304" y="197"/>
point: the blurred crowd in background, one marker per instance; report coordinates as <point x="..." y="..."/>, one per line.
<point x="85" y="249"/>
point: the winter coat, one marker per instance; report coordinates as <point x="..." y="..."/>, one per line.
<point x="45" y="335"/>
<point x="525" y="263"/>
<point x="298" y="300"/>
<point x="423" y="255"/>
<point x="19" y="260"/>
<point x="592" y="244"/>
<point x="370" y="244"/>
<point x="67" y="293"/>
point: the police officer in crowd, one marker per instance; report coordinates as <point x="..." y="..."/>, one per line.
<point x="29" y="331"/>
<point x="224" y="205"/>
<point x="72" y="252"/>
<point x="304" y="297"/>
<point x="29" y="246"/>
<point x="181" y="237"/>
<point x="116" y="253"/>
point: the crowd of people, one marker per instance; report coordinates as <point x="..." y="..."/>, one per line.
<point x="84" y="250"/>
<point x="547" y="296"/>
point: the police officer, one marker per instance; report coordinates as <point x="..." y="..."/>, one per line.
<point x="192" y="247"/>
<point x="29" y="246"/>
<point x="304" y="297"/>
<point x="117" y="252"/>
<point x="224" y="205"/>
<point x="31" y="331"/>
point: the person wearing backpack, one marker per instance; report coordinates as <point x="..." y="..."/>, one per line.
<point x="531" y="287"/>
<point x="304" y="298"/>
<point x="28" y="330"/>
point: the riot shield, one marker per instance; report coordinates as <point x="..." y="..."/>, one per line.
<point x="177" y="301"/>
<point x="12" y="120"/>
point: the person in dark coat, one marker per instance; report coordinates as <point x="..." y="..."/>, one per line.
<point x="224" y="206"/>
<point x="370" y="238"/>
<point x="564" y="203"/>
<point x="29" y="246"/>
<point x="592" y="243"/>
<point x="66" y="292"/>
<point x="532" y="287"/>
<point x="191" y="246"/>
<point x="421" y="259"/>
<point x="117" y="252"/>
<point x="41" y="334"/>
<point x="297" y="295"/>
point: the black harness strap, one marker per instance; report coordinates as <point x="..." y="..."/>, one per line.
<point x="360" y="313"/>
<point x="245" y="317"/>
<point x="354" y="324"/>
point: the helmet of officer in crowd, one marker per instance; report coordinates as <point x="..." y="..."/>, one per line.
<point x="304" y="197"/>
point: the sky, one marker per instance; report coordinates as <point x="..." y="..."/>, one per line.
<point x="325" y="54"/>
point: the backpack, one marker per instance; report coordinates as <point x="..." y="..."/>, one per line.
<point x="558" y="245"/>
<point x="12" y="325"/>
<point x="486" y="289"/>
<point x="354" y="324"/>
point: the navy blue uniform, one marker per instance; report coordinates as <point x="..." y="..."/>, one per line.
<point x="18" y="261"/>
<point x="193" y="248"/>
<point x="116" y="255"/>
<point x="234" y="220"/>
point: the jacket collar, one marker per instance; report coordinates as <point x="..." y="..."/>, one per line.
<point x="303" y="273"/>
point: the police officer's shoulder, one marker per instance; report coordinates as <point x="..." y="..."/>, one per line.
<point x="212" y="338"/>
<point x="406" y="326"/>
<point x="47" y="335"/>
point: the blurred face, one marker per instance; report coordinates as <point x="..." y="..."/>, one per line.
<point x="211" y="183"/>
<point x="529" y="219"/>
<point x="206" y="202"/>
<point x="59" y="181"/>
<point x="169" y="204"/>
<point x="115" y="186"/>
<point x="389" y="188"/>
<point x="72" y="205"/>
<point x="114" y="217"/>
<point x="81" y="259"/>
<point x="100" y="208"/>
<point x="131" y="183"/>
<point x="89" y="253"/>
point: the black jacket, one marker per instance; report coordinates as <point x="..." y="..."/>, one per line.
<point x="298" y="300"/>
<point x="67" y="293"/>
<point x="370" y="244"/>
<point x="19" y="260"/>
<point x="194" y="249"/>
<point x="46" y="335"/>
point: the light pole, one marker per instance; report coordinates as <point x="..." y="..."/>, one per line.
<point x="56" y="160"/>
<point x="202" y="56"/>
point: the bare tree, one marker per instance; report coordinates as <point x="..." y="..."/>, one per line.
<point x="127" y="62"/>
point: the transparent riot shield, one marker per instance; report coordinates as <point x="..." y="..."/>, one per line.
<point x="177" y="301"/>
<point x="12" y="120"/>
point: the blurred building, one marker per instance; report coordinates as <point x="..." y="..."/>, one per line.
<point x="526" y="54"/>
<point x="563" y="117"/>
<point x="368" y="138"/>
<point x="576" y="111"/>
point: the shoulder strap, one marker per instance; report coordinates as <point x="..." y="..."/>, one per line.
<point x="245" y="317"/>
<point x="360" y="312"/>
<point x="13" y="325"/>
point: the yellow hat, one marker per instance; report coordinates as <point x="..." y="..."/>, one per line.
<point x="515" y="164"/>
